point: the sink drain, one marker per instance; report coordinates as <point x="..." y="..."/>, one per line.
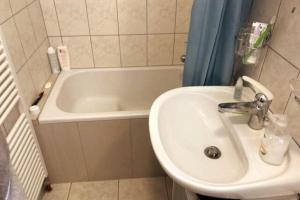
<point x="212" y="152"/>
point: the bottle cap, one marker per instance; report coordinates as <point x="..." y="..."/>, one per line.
<point x="51" y="50"/>
<point x="34" y="111"/>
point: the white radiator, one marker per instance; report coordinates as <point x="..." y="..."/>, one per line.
<point x="25" y="155"/>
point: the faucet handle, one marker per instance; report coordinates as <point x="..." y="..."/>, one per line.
<point x="262" y="100"/>
<point x="263" y="104"/>
<point x="258" y="88"/>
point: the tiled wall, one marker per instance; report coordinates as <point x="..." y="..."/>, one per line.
<point x="25" y="33"/>
<point x="280" y="61"/>
<point x="114" y="33"/>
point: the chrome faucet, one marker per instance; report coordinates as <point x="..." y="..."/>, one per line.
<point x="258" y="109"/>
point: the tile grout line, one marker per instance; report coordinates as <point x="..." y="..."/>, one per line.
<point x="287" y="103"/>
<point x="69" y="191"/>
<point x="263" y="64"/>
<point x="290" y="97"/>
<point x="284" y="58"/>
<point x="19" y="38"/>
<point x="131" y="147"/>
<point x="44" y="19"/>
<point x="83" y="152"/>
<point x="166" y="187"/>
<point x="135" y="66"/>
<point x="34" y="52"/>
<point x="174" y="34"/>
<point x="123" y="34"/>
<point x="90" y="35"/>
<point x="119" y="37"/>
<point x="118" y="189"/>
<point x="147" y="34"/>
<point x="16" y="13"/>
<point x="36" y="37"/>
<point x="58" y="22"/>
<point x="31" y="22"/>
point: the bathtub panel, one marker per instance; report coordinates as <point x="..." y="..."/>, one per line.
<point x="70" y="154"/>
<point x="144" y="160"/>
<point x="45" y="137"/>
<point x="107" y="149"/>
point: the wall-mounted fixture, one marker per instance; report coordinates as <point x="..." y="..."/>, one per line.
<point x="295" y="88"/>
<point x="251" y="39"/>
<point x="182" y="58"/>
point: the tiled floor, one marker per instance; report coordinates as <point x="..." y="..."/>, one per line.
<point x="124" y="189"/>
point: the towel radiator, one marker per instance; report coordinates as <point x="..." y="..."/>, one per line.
<point x="25" y="155"/>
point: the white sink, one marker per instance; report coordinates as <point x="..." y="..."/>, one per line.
<point x="184" y="121"/>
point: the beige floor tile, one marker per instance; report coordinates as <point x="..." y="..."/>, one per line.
<point x="100" y="190"/>
<point x="143" y="189"/>
<point x="59" y="192"/>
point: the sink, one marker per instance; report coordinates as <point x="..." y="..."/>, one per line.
<point x="184" y="122"/>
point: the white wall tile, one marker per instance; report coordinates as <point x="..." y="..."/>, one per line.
<point x="179" y="47"/>
<point x="276" y="75"/>
<point x="132" y="16"/>
<point x="50" y="17"/>
<point x="264" y="10"/>
<point x="80" y="51"/>
<point x="72" y="17"/>
<point x="45" y="60"/>
<point x="26" y="85"/>
<point x="55" y="41"/>
<point x="160" y="49"/>
<point x="106" y="51"/>
<point x="102" y="17"/>
<point x="17" y="5"/>
<point x="133" y="50"/>
<point x="26" y="32"/>
<point x="292" y="111"/>
<point x="254" y="71"/>
<point x="183" y="16"/>
<point x="37" y="20"/>
<point x="36" y="71"/>
<point x="5" y="10"/>
<point x="161" y="16"/>
<point x="14" y="43"/>
<point x="286" y="36"/>
<point x="30" y="1"/>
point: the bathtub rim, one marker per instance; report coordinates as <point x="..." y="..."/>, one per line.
<point x="51" y="113"/>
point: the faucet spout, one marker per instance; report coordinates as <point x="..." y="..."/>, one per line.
<point x="238" y="107"/>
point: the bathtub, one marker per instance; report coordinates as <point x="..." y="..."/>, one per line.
<point x="108" y="93"/>
<point x="94" y="125"/>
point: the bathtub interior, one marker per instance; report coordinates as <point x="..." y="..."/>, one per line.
<point x="116" y="90"/>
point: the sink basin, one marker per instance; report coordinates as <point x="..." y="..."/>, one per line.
<point x="183" y="122"/>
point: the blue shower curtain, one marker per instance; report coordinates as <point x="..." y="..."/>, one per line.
<point x="211" y="41"/>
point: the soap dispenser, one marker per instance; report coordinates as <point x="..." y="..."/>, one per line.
<point x="238" y="90"/>
<point x="276" y="140"/>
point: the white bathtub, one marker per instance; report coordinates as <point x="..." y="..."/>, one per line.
<point x="108" y="93"/>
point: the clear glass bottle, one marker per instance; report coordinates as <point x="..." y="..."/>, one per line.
<point x="276" y="140"/>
